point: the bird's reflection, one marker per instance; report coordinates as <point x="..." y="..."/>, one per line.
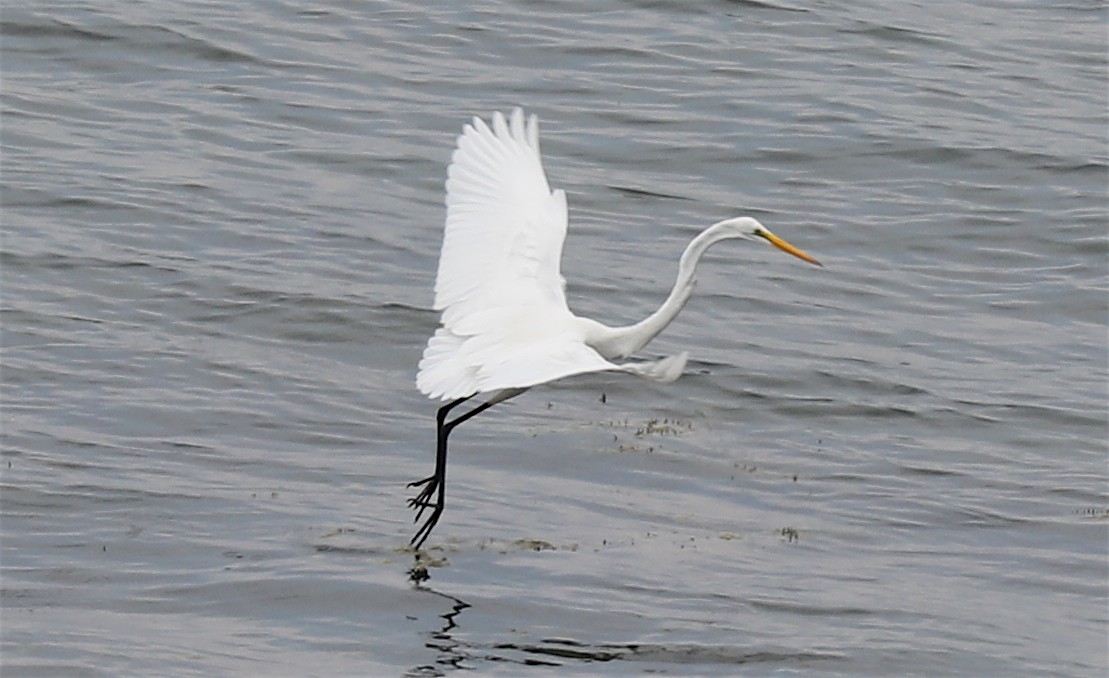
<point x="451" y="651"/>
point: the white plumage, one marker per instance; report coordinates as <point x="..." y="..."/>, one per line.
<point x="505" y="323"/>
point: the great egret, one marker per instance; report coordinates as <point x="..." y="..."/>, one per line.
<point x="505" y="324"/>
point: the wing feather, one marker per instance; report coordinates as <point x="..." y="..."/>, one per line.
<point x="505" y="227"/>
<point x="505" y="323"/>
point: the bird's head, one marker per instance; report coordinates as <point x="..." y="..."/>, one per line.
<point x="749" y="228"/>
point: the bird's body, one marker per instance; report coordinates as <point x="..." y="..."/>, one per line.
<point x="505" y="324"/>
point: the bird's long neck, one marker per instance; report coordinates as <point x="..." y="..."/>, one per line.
<point x="620" y="342"/>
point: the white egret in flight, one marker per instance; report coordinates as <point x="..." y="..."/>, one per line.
<point x="505" y="324"/>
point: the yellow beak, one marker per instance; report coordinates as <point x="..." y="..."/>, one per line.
<point x="786" y="247"/>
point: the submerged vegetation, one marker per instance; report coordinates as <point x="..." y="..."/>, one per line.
<point x="650" y="429"/>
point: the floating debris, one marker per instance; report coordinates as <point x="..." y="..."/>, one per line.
<point x="418" y="572"/>
<point x="535" y="545"/>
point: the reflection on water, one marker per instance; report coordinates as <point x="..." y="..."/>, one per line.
<point x="453" y="651"/>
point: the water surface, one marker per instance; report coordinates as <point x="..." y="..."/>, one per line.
<point x="221" y="226"/>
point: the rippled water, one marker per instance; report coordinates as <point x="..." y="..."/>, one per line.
<point x="220" y="230"/>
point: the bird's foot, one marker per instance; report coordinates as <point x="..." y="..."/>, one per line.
<point x="429" y="497"/>
<point x="417" y="483"/>
<point x="424" y="499"/>
<point x="425" y="530"/>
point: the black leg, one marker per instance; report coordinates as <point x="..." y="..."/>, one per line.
<point x="440" y="463"/>
<point x="436" y="484"/>
<point x="432" y="482"/>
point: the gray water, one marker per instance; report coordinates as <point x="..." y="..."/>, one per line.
<point x="221" y="223"/>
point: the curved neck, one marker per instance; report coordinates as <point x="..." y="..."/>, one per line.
<point x="620" y="342"/>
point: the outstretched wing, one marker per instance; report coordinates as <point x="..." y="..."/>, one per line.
<point x="505" y="227"/>
<point x="505" y="319"/>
